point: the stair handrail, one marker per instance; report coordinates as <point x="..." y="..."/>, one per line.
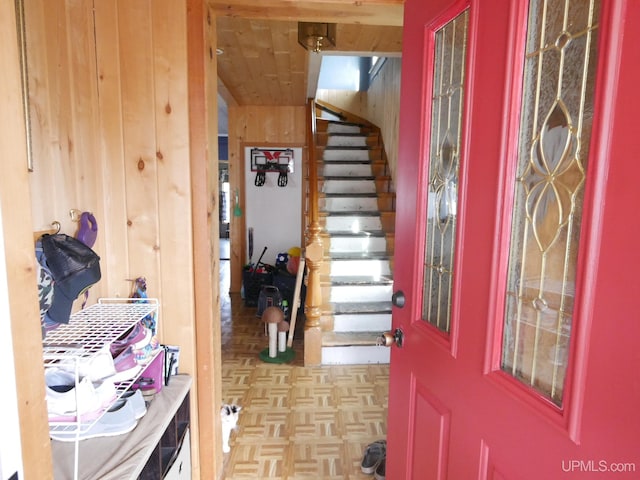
<point x="313" y="251"/>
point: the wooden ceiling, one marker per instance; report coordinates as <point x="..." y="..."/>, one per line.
<point x="262" y="62"/>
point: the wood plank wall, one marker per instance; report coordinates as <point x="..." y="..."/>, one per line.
<point x="110" y="101"/>
<point x="17" y="240"/>
<point x="203" y="131"/>
<point x="383" y="107"/>
<point x="256" y="126"/>
<point x="380" y="105"/>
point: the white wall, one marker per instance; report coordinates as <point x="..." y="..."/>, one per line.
<point x="10" y="453"/>
<point x="274" y="212"/>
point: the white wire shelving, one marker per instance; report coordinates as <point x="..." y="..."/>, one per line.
<point x="86" y="334"/>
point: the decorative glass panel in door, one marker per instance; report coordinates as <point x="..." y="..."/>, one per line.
<point x="444" y="149"/>
<point x="555" y="128"/>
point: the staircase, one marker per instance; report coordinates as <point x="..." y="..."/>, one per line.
<point x="356" y="209"/>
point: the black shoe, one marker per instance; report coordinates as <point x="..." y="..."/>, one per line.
<point x="373" y="455"/>
<point x="380" y="470"/>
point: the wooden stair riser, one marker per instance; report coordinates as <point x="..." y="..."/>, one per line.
<point x="388" y="220"/>
<point x="391" y="244"/>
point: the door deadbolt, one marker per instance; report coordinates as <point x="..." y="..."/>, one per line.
<point x="388" y="339"/>
<point x="398" y="299"/>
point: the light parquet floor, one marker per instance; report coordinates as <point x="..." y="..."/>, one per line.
<point x="296" y="422"/>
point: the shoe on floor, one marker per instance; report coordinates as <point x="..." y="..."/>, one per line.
<point x="373" y="455"/>
<point x="380" y="470"/>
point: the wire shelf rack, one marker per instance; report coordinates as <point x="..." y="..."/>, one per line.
<point x="86" y="334"/>
<point x="91" y="328"/>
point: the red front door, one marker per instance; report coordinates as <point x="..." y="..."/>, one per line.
<point x="517" y="242"/>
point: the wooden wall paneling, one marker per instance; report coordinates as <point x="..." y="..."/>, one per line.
<point x="169" y="19"/>
<point x="383" y="107"/>
<point x="372" y="12"/>
<point x="211" y="342"/>
<point x="138" y="103"/>
<point x="237" y="242"/>
<point x="201" y="34"/>
<point x="82" y="106"/>
<point x="47" y="55"/>
<point x="38" y="47"/>
<point x="114" y="135"/>
<point x="15" y="206"/>
<point x="63" y="169"/>
<point x="113" y="229"/>
<point x="63" y="115"/>
<point x="84" y="141"/>
<point x="173" y="173"/>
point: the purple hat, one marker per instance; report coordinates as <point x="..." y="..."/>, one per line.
<point x="74" y="268"/>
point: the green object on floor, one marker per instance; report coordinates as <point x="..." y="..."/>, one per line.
<point x="281" y="357"/>
<point x="237" y="211"/>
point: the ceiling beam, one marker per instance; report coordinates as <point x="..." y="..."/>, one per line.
<point x="366" y="12"/>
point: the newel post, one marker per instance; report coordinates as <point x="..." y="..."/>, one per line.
<point x="314" y="253"/>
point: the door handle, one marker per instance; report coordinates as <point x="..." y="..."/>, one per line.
<point x="398" y="299"/>
<point x="388" y="339"/>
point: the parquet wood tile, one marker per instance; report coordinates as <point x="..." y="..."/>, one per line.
<point x="296" y="422"/>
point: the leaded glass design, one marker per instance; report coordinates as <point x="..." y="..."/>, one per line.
<point x="555" y="130"/>
<point x="442" y="202"/>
